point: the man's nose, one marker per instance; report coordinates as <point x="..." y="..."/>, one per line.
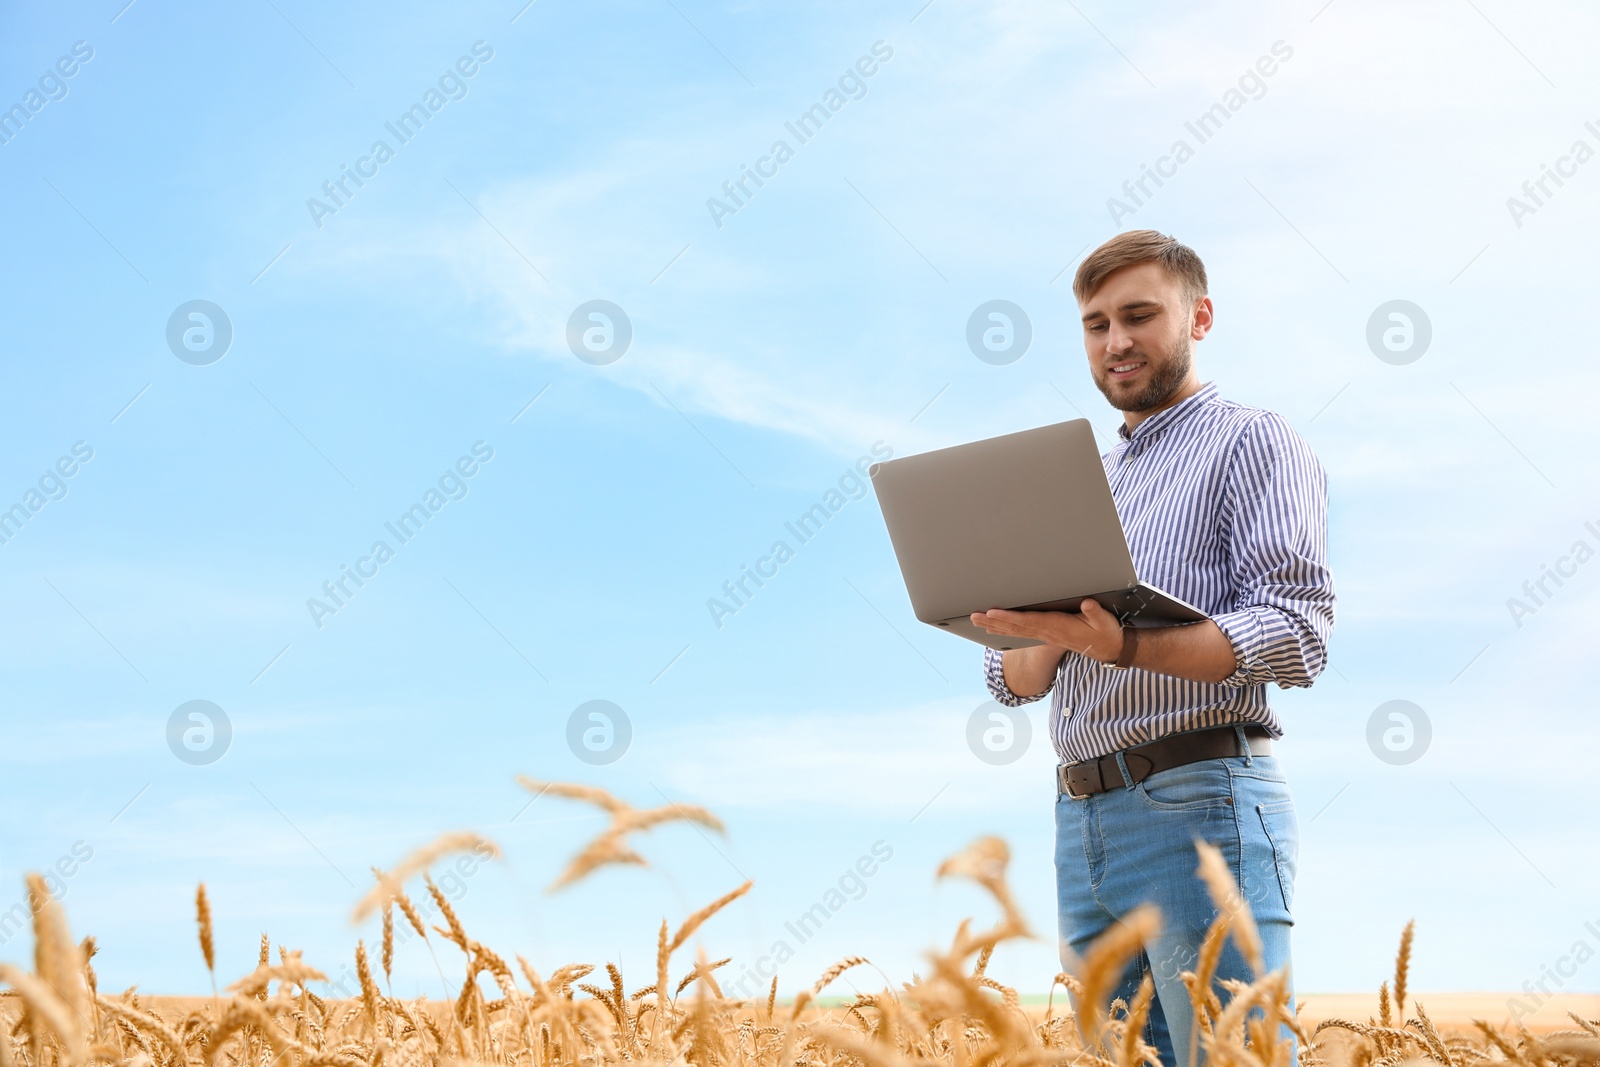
<point x="1117" y="341"/>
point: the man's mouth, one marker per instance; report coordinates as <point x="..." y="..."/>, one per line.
<point x="1120" y="371"/>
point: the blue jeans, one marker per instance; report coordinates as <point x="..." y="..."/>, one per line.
<point x="1135" y="844"/>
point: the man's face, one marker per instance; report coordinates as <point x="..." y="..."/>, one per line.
<point x="1139" y="332"/>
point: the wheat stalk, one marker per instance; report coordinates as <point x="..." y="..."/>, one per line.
<point x="1134" y="1051"/>
<point x="409" y="910"/>
<point x="985" y="861"/>
<point x="47" y="1008"/>
<point x="1224" y="891"/>
<point x="202" y="912"/>
<point x="611" y="846"/>
<point x="693" y="922"/>
<point x="145" y="1023"/>
<point x="1402" y="966"/>
<point x="370" y="996"/>
<point x="418" y="862"/>
<point x="827" y="976"/>
<point x="57" y="959"/>
<point x="290" y="972"/>
<point x="388" y="943"/>
<point x="456" y="933"/>
<point x="1105" y="962"/>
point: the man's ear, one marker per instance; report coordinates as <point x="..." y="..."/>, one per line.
<point x="1202" y="318"/>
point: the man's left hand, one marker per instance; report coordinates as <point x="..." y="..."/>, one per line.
<point x="1091" y="631"/>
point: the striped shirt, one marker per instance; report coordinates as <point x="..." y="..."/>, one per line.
<point x="1226" y="507"/>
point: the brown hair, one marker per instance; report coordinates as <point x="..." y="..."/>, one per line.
<point x="1141" y="246"/>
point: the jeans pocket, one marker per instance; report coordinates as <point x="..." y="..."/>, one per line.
<point x="1202" y="784"/>
<point x="1278" y="822"/>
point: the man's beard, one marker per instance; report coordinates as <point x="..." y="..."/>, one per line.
<point x="1166" y="378"/>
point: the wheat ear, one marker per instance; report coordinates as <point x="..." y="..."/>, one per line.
<point x="417" y="862"/>
<point x="1133" y="1048"/>
<point x="692" y="923"/>
<point x="1107" y="958"/>
<point x="1402" y="969"/>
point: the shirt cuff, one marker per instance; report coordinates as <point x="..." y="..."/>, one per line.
<point x="1266" y="648"/>
<point x="994" y="674"/>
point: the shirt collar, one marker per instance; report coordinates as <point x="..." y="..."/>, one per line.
<point x="1171" y="416"/>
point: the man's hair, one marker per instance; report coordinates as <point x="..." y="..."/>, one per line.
<point x="1141" y="246"/>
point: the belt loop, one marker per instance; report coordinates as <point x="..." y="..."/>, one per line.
<point x="1122" y="765"/>
<point x="1244" y="743"/>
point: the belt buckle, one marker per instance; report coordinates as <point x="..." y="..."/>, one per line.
<point x="1066" y="780"/>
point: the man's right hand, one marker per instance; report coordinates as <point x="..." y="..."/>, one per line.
<point x="1091" y="631"/>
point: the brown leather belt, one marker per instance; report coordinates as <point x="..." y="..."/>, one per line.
<point x="1084" y="779"/>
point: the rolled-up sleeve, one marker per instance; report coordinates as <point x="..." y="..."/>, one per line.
<point x="1276" y="518"/>
<point x="994" y="674"/>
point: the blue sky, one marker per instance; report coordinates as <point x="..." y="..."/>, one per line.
<point x="428" y="315"/>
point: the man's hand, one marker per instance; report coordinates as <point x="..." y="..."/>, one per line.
<point x="1091" y="631"/>
<point x="1199" y="651"/>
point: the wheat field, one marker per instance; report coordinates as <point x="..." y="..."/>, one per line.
<point x="953" y="1015"/>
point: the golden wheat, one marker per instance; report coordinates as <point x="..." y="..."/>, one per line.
<point x="416" y="863"/>
<point x="611" y="846"/>
<point x="958" y="1016"/>
<point x="1402" y="968"/>
<point x="202" y="910"/>
<point x="1225" y="895"/>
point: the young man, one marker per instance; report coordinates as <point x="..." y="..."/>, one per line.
<point x="1164" y="734"/>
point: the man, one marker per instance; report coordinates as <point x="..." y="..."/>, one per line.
<point x="1164" y="734"/>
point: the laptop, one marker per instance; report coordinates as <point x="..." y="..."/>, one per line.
<point x="1023" y="521"/>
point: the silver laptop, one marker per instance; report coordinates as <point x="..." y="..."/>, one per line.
<point x="1024" y="521"/>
